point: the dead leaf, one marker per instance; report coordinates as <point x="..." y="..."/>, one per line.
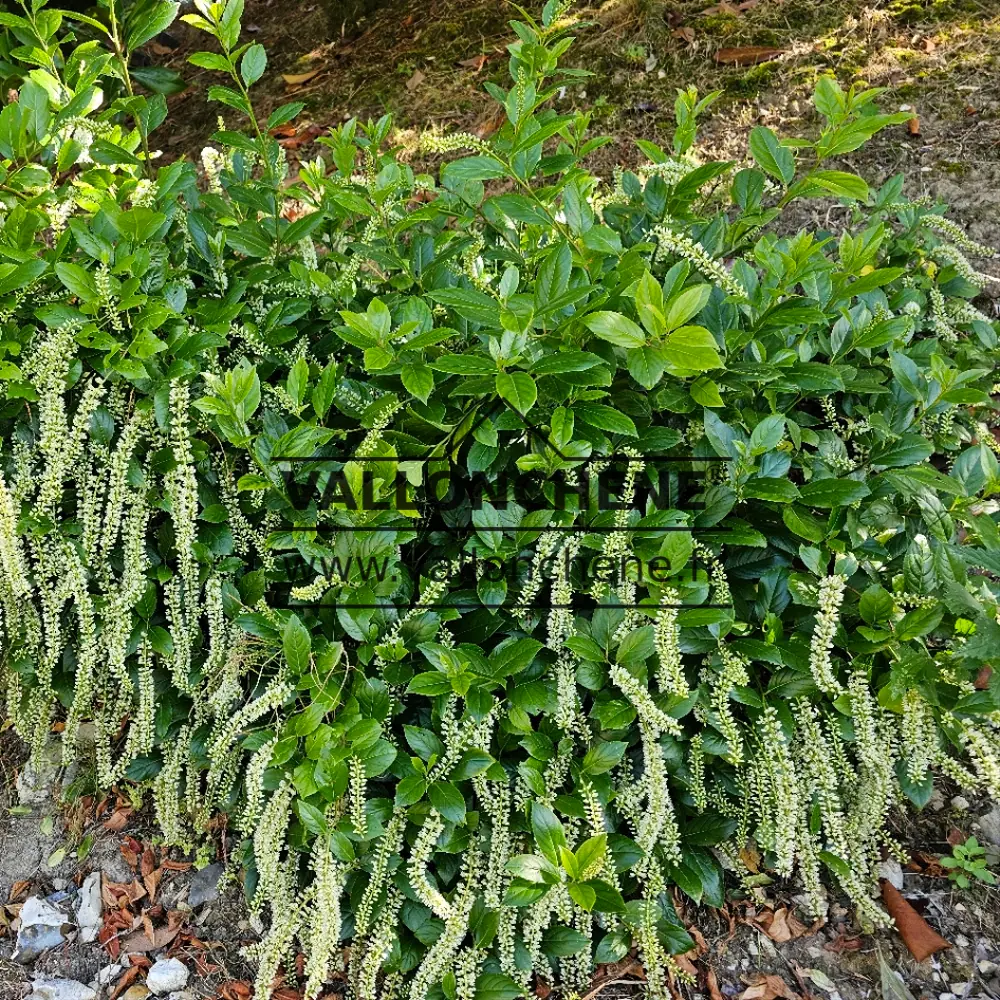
<point x="177" y="866"/>
<point x="747" y="55"/>
<point x="143" y="941"/>
<point x="152" y="882"/>
<point x="843" y="942"/>
<point x="919" y="937"/>
<point x="686" y="34"/>
<point x="297" y="79"/>
<point x="415" y="80"/>
<point x="118" y="819"/>
<point x="18" y="889"/>
<point x="542" y="989"/>
<point x="985" y="673"/>
<point x="913" y="126"/>
<point x="751" y="857"/>
<point x="781" y="925"/>
<point x="712" y="985"/>
<point x="764" y="987"/>
<point x="956" y="837"/>
<point x="235" y="989"/>
<point x="476" y="62"/>
<point x="929" y="44"/>
<point x="126" y="980"/>
<point x="148" y="861"/>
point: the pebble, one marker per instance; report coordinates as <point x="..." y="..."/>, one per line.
<point x="109" y="974"/>
<point x="960" y="802"/>
<point x="167" y="975"/>
<point x="990" y="825"/>
<point x="41" y="929"/>
<point x="987" y="968"/>
<point x="892" y="872"/>
<point x="61" y="989"/>
<point x="205" y="886"/>
<point x="136" y="992"/>
<point x="937" y="800"/>
<point x="962" y="941"/>
<point x="89" y="908"/>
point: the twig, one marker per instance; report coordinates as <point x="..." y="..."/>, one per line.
<point x="610" y="982"/>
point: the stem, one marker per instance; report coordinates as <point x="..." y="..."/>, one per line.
<point x="122" y="57"/>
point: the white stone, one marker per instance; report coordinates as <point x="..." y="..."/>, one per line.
<point x="990" y="825"/>
<point x="987" y="968"/>
<point x="892" y="872"/>
<point x="40" y="929"/>
<point x="960" y="802"/>
<point x="109" y="974"/>
<point x="89" y="908"/>
<point x="167" y="976"/>
<point x="61" y="989"/>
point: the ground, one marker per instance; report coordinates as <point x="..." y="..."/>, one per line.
<point x="758" y="948"/>
<point x="426" y="65"/>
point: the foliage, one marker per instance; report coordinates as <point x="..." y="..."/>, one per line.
<point x="966" y="862"/>
<point x="234" y="411"/>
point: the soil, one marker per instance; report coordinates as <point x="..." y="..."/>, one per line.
<point x="426" y="65"/>
<point x="757" y="948"/>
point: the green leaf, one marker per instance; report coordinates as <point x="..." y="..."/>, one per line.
<point x="832" y="492"/>
<point x="615" y="328"/>
<point x="494" y="986"/>
<point x="686" y="305"/>
<point x="518" y="389"/>
<point x="582" y="894"/>
<point x="692" y="348"/>
<point x="605" y="418"/>
<point x="448" y="801"/>
<point x="771" y="156"/>
<point x="152" y="20"/>
<point x="464" y="364"/>
<point x="548" y="831"/>
<point x="296" y="644"/>
<point x="603" y="757"/>
<point x="253" y="64"/>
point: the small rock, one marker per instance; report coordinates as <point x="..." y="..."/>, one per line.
<point x="41" y="929"/>
<point x="181" y="995"/>
<point x="205" y="886"/>
<point x="937" y="800"/>
<point x="59" y="884"/>
<point x="961" y="941"/>
<point x="167" y="975"/>
<point x="990" y="825"/>
<point x="960" y="802"/>
<point x="987" y="968"/>
<point x="136" y="992"/>
<point x="892" y="872"/>
<point x="109" y="974"/>
<point x="89" y="907"/>
<point x="947" y="996"/>
<point x="61" y="989"/>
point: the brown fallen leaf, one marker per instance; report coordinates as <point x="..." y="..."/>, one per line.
<point x="686" y="34"/>
<point x="142" y="942"/>
<point x="126" y="980"/>
<point x="297" y="79"/>
<point x="985" y="673"/>
<point x="764" y="987"/>
<point x="18" y="889"/>
<point x="152" y="882"/>
<point x="542" y="989"/>
<point x="118" y="819"/>
<point x="415" y="80"/>
<point x="920" y="938"/>
<point x="148" y="862"/>
<point x="781" y="925"/>
<point x="747" y="55"/>
<point x="712" y="985"/>
<point x="956" y="837"/>
<point x="177" y="866"/>
<point x="476" y="62"/>
<point x="913" y="126"/>
<point x="235" y="989"/>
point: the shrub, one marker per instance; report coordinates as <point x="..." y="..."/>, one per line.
<point x="494" y="550"/>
